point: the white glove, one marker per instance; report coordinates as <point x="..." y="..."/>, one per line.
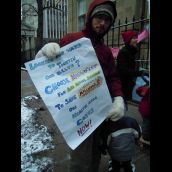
<point x="117" y="110"/>
<point x="50" y="50"/>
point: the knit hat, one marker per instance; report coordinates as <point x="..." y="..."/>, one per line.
<point x="106" y="9"/>
<point x="128" y="35"/>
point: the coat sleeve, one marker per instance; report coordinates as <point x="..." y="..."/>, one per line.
<point x="70" y="37"/>
<point x="66" y="40"/>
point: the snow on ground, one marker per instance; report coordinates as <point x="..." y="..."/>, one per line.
<point x="34" y="139"/>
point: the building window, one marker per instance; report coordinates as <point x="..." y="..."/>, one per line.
<point x="81" y="13"/>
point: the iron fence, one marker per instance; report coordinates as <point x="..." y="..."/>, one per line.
<point x="114" y="39"/>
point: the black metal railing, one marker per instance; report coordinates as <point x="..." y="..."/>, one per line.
<point x="114" y="39"/>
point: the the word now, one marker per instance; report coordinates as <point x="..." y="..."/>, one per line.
<point x="84" y="128"/>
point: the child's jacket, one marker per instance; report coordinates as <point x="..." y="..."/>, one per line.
<point x="123" y="134"/>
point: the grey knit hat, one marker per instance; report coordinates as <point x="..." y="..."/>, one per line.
<point x="104" y="8"/>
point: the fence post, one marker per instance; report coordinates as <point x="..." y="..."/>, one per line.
<point x="113" y="36"/>
<point x="141" y="23"/>
<point x="119" y="22"/>
<point x="30" y="48"/>
<point x="107" y="40"/>
<point x="133" y="21"/>
<point x="126" y="24"/>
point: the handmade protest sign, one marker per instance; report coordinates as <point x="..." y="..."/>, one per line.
<point x="143" y="35"/>
<point x="74" y="90"/>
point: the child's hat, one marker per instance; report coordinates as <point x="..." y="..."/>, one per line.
<point x="128" y="35"/>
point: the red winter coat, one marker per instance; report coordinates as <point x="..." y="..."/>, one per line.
<point x="103" y="52"/>
<point x="144" y="105"/>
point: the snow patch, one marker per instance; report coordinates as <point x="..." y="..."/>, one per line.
<point x="35" y="139"/>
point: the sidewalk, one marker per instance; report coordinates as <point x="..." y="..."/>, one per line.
<point x="61" y="153"/>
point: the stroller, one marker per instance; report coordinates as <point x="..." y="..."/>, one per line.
<point x="140" y="81"/>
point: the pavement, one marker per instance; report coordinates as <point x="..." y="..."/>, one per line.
<point x="141" y="159"/>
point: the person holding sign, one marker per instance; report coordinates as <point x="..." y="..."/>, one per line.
<point x="100" y="17"/>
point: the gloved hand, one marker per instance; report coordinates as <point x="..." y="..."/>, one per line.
<point x="117" y="110"/>
<point x="50" y="50"/>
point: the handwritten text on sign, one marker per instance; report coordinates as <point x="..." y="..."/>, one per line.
<point x="74" y="90"/>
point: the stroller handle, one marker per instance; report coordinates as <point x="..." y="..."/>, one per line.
<point x="145" y="79"/>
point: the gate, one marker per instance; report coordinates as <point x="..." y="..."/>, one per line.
<point x="54" y="27"/>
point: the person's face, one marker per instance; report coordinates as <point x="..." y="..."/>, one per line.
<point x="100" y="23"/>
<point x="133" y="42"/>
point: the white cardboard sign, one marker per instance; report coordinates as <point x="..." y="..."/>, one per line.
<point x="73" y="88"/>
